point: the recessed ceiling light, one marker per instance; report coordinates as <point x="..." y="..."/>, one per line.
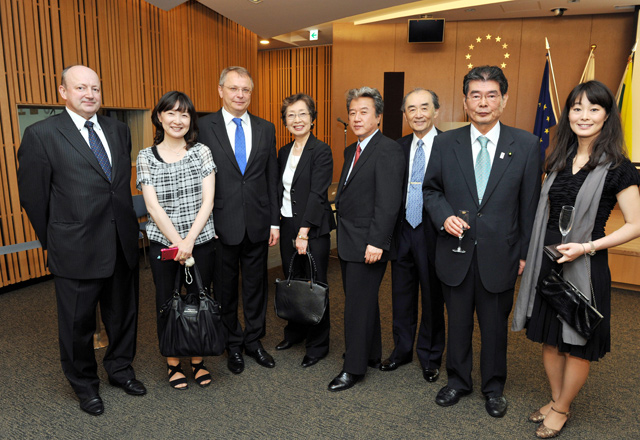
<point x="264" y="41"/>
<point x="255" y="1"/>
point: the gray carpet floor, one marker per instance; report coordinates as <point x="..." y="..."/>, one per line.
<point x="289" y="402"/>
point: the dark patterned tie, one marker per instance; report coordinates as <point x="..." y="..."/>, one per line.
<point x="98" y="149"/>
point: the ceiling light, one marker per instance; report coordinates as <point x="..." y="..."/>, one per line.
<point x="264" y="41"/>
<point x="255" y="2"/>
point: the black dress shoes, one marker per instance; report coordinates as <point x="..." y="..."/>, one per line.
<point x="430" y="374"/>
<point x="133" y="387"/>
<point x="448" y="396"/>
<point x="389" y="365"/>
<point x="235" y="363"/>
<point x="284" y="345"/>
<point x="344" y="381"/>
<point x="92" y="405"/>
<point x="262" y="357"/>
<point x="374" y="363"/>
<point x="308" y="361"/>
<point x="496" y="406"/>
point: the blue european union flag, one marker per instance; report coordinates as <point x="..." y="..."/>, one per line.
<point x="545" y="115"/>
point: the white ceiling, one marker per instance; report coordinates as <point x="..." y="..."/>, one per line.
<point x="288" y="21"/>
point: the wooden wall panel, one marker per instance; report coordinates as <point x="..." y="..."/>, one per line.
<point x="139" y="51"/>
<point x="363" y="53"/>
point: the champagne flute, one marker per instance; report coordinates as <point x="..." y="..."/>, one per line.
<point x="566" y="220"/>
<point x="463" y="214"/>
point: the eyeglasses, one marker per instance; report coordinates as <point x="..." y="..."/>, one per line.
<point x="301" y="115"/>
<point x="237" y="90"/>
<point x="490" y="97"/>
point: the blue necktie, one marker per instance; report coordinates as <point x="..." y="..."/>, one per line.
<point x="98" y="149"/>
<point x="241" y="148"/>
<point x="483" y="167"/>
<point x="414" y="198"/>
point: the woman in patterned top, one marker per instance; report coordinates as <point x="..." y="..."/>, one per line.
<point x="177" y="179"/>
<point x="587" y="169"/>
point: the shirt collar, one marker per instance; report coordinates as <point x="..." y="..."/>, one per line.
<point x="79" y="121"/>
<point x="365" y="141"/>
<point x="428" y="138"/>
<point x="493" y="135"/>
<point x="228" y="117"/>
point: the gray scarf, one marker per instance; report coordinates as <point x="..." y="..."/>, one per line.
<point x="575" y="271"/>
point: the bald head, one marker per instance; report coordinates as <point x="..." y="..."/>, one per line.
<point x="80" y="88"/>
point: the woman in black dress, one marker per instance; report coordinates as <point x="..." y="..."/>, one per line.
<point x="588" y="169"/>
<point x="306" y="169"/>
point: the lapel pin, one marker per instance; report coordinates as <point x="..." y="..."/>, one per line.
<point x="502" y="155"/>
<point x="509" y="153"/>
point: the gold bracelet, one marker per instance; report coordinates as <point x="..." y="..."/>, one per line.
<point x="303" y="237"/>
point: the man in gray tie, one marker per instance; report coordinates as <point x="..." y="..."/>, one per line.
<point x="492" y="171"/>
<point x="245" y="213"/>
<point x="414" y="271"/>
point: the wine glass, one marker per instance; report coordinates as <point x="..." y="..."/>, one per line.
<point x="463" y="214"/>
<point x="566" y="220"/>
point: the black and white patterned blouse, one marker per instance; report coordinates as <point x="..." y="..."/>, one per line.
<point x="178" y="186"/>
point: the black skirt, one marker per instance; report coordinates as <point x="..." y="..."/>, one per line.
<point x="545" y="327"/>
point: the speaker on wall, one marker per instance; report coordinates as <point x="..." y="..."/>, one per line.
<point x="426" y="30"/>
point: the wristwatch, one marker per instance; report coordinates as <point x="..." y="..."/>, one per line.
<point x="592" y="252"/>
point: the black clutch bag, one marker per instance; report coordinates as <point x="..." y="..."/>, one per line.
<point x="552" y="251"/>
<point x="570" y="304"/>
<point x="191" y="326"/>
<point x="301" y="300"/>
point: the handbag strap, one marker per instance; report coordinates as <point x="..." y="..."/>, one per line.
<point x="312" y="267"/>
<point x="196" y="277"/>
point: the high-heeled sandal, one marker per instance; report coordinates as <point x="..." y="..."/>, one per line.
<point x="199" y="380"/>
<point x="537" y="416"/>
<point x="544" y="431"/>
<point x="173" y="370"/>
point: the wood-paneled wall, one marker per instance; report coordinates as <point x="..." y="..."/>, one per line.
<point x="282" y="73"/>
<point x="361" y="55"/>
<point x="139" y="51"/>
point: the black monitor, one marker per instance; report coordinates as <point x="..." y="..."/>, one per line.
<point x="426" y="30"/>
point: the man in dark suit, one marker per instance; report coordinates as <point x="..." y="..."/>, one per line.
<point x="245" y="213"/>
<point x="74" y="177"/>
<point x="367" y="202"/>
<point x="493" y="172"/>
<point x="413" y="270"/>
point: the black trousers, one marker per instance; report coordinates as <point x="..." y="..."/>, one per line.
<point x="164" y="272"/>
<point x="250" y="259"/>
<point x="77" y="301"/>
<point x="362" y="335"/>
<point x="413" y="276"/>
<point x="317" y="336"/>
<point x="493" y="318"/>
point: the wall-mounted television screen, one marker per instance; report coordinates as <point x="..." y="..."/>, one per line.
<point x="426" y="30"/>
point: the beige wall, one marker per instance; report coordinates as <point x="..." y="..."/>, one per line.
<point x="361" y="55"/>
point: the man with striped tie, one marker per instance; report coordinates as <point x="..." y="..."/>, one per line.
<point x="74" y="182"/>
<point x="413" y="272"/>
<point x="493" y="172"/>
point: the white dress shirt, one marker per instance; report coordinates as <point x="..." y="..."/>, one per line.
<point x="363" y="144"/>
<point x="79" y="123"/>
<point x="428" y="144"/>
<point x="492" y="145"/>
<point x="231" y="130"/>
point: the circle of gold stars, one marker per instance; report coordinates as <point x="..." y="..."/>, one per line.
<point x="497" y="40"/>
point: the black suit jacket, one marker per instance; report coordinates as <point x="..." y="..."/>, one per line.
<point x="309" y="189"/>
<point x="501" y="225"/>
<point x="76" y="212"/>
<point x="243" y="203"/>
<point x="429" y="231"/>
<point x="368" y="204"/>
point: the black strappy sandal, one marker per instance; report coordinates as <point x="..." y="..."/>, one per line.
<point x="173" y="370"/>
<point x="199" y="380"/>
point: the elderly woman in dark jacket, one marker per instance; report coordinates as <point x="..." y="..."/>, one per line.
<point x="306" y="170"/>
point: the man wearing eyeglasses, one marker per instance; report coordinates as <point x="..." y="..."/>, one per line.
<point x="245" y="213"/>
<point x="492" y="171"/>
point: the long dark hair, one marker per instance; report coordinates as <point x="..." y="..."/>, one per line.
<point x="609" y="142"/>
<point x="168" y="102"/>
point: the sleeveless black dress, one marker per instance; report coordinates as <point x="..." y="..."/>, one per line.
<point x="544" y="326"/>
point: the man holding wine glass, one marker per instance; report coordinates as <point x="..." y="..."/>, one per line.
<point x="491" y="172"/>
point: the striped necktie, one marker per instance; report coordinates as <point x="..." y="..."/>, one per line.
<point x="98" y="149"/>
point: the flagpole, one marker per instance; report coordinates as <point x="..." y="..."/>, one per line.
<point x="553" y="75"/>
<point x="586" y="67"/>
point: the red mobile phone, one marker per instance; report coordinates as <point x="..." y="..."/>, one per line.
<point x="168" y="253"/>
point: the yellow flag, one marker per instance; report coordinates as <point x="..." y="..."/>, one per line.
<point x="589" y="71"/>
<point x="624" y="104"/>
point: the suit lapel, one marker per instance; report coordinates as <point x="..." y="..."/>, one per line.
<point x="364" y="156"/>
<point x="348" y="158"/>
<point x="464" y="155"/>
<point x="501" y="162"/>
<point x="112" y="140"/>
<point x="220" y="132"/>
<point x="256" y="135"/>
<point x="307" y="152"/>
<point x="68" y="129"/>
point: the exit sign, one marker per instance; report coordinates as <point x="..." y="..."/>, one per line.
<point x="313" y="34"/>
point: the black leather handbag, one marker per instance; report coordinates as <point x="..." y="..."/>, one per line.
<point x="191" y="325"/>
<point x="301" y="300"/>
<point x="571" y="304"/>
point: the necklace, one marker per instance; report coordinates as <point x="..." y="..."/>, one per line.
<point x="177" y="152"/>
